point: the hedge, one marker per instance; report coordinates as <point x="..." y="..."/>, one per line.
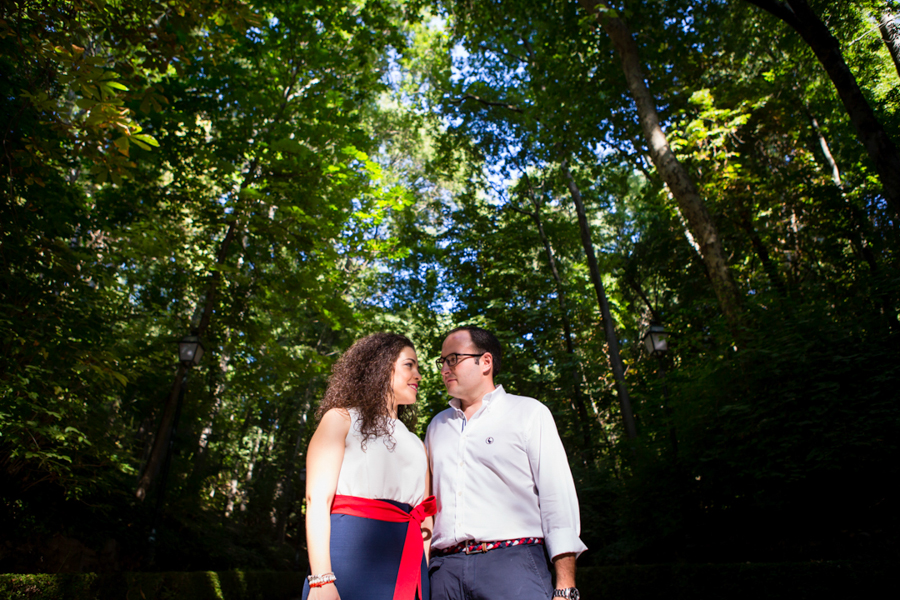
<point x="788" y="581"/>
<point x="226" y="585"/>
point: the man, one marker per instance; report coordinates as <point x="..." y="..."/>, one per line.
<point x="503" y="485"/>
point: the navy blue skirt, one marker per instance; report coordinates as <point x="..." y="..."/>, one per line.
<point x="365" y="557"/>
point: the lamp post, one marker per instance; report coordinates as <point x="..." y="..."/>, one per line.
<point x="656" y="342"/>
<point x="190" y="351"/>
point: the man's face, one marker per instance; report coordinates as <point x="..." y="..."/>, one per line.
<point x="466" y="379"/>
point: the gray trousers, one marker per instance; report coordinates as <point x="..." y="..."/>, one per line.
<point x="514" y="573"/>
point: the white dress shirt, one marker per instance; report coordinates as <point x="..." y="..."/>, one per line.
<point x="502" y="475"/>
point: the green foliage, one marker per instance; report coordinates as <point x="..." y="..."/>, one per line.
<point x="314" y="171"/>
<point x="815" y="260"/>
<point x="253" y="121"/>
<point x="76" y="65"/>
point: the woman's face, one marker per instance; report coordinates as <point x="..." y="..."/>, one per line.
<point x="405" y="377"/>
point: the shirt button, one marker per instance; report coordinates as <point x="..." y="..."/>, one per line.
<point x="460" y="463"/>
<point x="459" y="493"/>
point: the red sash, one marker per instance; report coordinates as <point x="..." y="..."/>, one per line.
<point x="409" y="578"/>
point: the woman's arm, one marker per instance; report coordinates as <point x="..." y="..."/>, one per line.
<point x="428" y="523"/>
<point x="323" y="465"/>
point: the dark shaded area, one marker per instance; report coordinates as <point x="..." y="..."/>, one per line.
<point x="784" y="452"/>
<point x="666" y="582"/>
<point x="45" y="533"/>
<point x="740" y="581"/>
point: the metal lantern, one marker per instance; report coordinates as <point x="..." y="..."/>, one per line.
<point x="655" y="340"/>
<point x="190" y="350"/>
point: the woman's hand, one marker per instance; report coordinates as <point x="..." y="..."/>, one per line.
<point x="328" y="591"/>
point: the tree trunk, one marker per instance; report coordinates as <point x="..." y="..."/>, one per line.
<point x="661" y="373"/>
<point x="762" y="252"/>
<point x="201" y="455"/>
<point x="678" y="180"/>
<point x="236" y="436"/>
<point x="163" y="435"/>
<point x="288" y="486"/>
<point x="880" y="148"/>
<point x="856" y="237"/>
<point x="574" y="372"/>
<point x="615" y="358"/>
<point x="160" y="443"/>
<point x="890" y="33"/>
<point x="826" y="150"/>
<point x="670" y="420"/>
<point x="856" y="233"/>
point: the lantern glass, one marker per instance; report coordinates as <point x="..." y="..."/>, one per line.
<point x="190" y="351"/>
<point x="655" y="340"/>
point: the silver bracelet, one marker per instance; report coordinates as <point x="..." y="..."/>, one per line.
<point x="320" y="580"/>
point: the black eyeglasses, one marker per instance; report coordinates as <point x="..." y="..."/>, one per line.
<point x="453" y="359"/>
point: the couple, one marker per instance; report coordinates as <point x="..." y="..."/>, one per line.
<point x="504" y="496"/>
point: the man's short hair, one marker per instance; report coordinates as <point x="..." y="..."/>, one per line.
<point x="485" y="341"/>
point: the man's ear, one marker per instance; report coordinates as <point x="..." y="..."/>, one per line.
<point x="487" y="363"/>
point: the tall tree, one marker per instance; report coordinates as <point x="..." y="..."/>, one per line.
<point x="269" y="142"/>
<point x="78" y="75"/>
<point x="881" y="149"/>
<point x="677" y="178"/>
<point x="890" y="33"/>
<point x="574" y="368"/>
<point x="615" y="356"/>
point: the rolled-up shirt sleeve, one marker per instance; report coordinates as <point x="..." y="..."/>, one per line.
<point x="560" y="518"/>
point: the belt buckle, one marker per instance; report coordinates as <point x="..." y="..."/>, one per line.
<point x="477" y="548"/>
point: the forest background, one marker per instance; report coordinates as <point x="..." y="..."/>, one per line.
<point x="280" y="178"/>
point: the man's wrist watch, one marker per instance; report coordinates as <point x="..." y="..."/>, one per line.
<point x="570" y="593"/>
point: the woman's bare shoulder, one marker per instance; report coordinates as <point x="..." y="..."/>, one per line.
<point x="337" y="414"/>
<point x="335" y="422"/>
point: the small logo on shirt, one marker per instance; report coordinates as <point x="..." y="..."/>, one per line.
<point x="490" y="440"/>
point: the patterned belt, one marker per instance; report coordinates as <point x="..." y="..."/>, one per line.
<point x="472" y="547"/>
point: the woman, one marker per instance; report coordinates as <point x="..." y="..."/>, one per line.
<point x="368" y="524"/>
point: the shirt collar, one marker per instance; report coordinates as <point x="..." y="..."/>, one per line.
<point x="486" y="401"/>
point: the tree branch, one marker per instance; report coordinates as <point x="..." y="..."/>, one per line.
<point x="481" y="100"/>
<point x="781" y="10"/>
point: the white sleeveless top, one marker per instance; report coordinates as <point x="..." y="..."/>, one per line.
<point x="380" y="473"/>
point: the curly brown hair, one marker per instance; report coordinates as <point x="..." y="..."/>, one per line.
<point x="361" y="379"/>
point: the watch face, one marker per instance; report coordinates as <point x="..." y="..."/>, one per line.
<point x="573" y="594"/>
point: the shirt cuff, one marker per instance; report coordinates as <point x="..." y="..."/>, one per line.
<point x="563" y="541"/>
